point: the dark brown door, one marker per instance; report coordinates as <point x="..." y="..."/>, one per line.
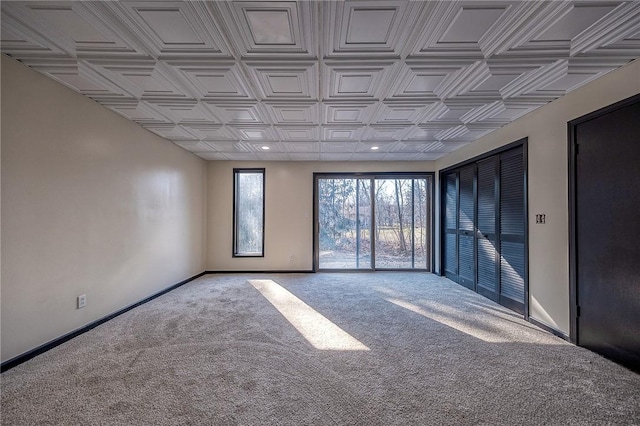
<point x="607" y="230"/>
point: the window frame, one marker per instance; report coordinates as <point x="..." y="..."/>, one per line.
<point x="236" y="173"/>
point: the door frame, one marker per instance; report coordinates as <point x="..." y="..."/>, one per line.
<point x="372" y="175"/>
<point x="572" y="150"/>
<point x="442" y="190"/>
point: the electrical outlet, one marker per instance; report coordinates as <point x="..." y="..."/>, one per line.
<point x="82" y="301"/>
<point x="541" y="218"/>
<point x="292" y="258"/>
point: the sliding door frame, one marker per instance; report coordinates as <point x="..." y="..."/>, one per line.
<point x="442" y="186"/>
<point x="373" y="176"/>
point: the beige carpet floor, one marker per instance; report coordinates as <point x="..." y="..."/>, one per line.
<point x="320" y="349"/>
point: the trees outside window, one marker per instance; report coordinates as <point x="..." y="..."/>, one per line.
<point x="376" y="221"/>
<point x="248" y="212"/>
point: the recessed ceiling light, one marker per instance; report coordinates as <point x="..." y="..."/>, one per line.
<point x="375" y="147"/>
<point x="265" y="148"/>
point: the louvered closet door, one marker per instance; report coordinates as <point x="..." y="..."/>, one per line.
<point x="466" y="228"/>
<point x="451" y="226"/>
<point x="486" y="246"/>
<point x="512" y="230"/>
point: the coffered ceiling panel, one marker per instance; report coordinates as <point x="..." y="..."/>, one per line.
<point x="239" y="113"/>
<point x="301" y="147"/>
<point x="304" y="157"/>
<point x="294" y="81"/>
<point x="363" y="28"/>
<point x="171" y="131"/>
<point x="297" y="133"/>
<point x="356" y="80"/>
<point x="210" y="132"/>
<point x="293" y="113"/>
<point x="75" y="28"/>
<point x="195" y="146"/>
<point x="184" y="111"/>
<point x="173" y="28"/>
<point x="219" y="80"/>
<point x="270" y="29"/>
<point x="255" y="133"/>
<point x="138" y="111"/>
<point x="352" y="113"/>
<point x="79" y="76"/>
<point x="352" y="80"/>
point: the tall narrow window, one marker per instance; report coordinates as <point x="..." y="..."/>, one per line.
<point x="248" y="212"/>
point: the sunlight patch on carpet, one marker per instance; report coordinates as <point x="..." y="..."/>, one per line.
<point x="454" y="323"/>
<point x="316" y="328"/>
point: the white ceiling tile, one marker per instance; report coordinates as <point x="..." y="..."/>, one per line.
<point x="238" y="113"/>
<point x="188" y="111"/>
<point x="301" y="147"/>
<point x="345" y="147"/>
<point x="229" y="146"/>
<point x="570" y="81"/>
<point x="374" y="147"/>
<point x="77" y="28"/>
<point x="170" y="131"/>
<point x="271" y="26"/>
<point x="365" y="28"/>
<point x="297" y="133"/>
<point x="255" y="133"/>
<point x="341" y="133"/>
<point x="402" y="114"/>
<point x="355" y="81"/>
<point x="194" y="146"/>
<point x="304" y="157"/>
<point x="398" y="156"/>
<point x="409" y="147"/>
<point x="265" y="147"/>
<point x="293" y="113"/>
<point x="209" y="131"/>
<point x="295" y="81"/>
<point x="211" y="155"/>
<point x="353" y="113"/>
<point x="335" y="157"/>
<point x="135" y="110"/>
<point x="384" y="133"/>
<point x="617" y="31"/>
<point x="273" y="156"/>
<point x="471" y="23"/>
<point x="208" y="80"/>
<point x="452" y="133"/>
<point x="576" y="20"/>
<point x="242" y="156"/>
<point x="456" y="28"/>
<point x="428" y="156"/>
<point x="141" y="78"/>
<point x="495" y="82"/>
<point x="173" y="29"/>
<point x="366" y="156"/>
<point x="270" y="29"/>
<point x="322" y="80"/>
<point x="78" y="76"/>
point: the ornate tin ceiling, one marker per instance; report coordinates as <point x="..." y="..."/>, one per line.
<point x="303" y="80"/>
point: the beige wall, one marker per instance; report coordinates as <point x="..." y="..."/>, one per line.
<point x="91" y="203"/>
<point x="288" y="211"/>
<point x="546" y="129"/>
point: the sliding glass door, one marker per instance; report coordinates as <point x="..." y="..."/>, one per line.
<point x="373" y="222"/>
<point x="344" y="217"/>
<point x="401" y="223"/>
